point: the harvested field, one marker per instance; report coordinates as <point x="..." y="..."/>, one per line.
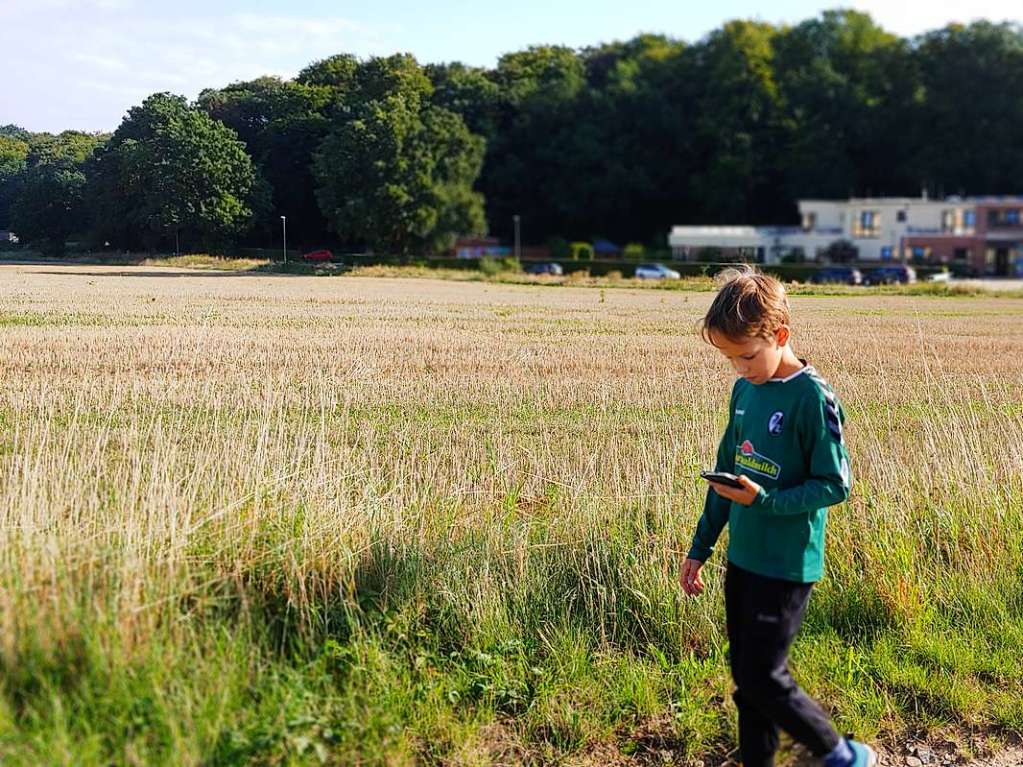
<point x="256" y="519"/>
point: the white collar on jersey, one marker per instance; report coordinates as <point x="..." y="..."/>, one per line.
<point x="786" y="379"/>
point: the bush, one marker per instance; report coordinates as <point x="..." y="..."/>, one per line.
<point x="581" y="251"/>
<point x="494" y="266"/>
<point x="841" y="252"/>
<point x="633" y="251"/>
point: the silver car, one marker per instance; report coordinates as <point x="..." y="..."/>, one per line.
<point x="656" y="272"/>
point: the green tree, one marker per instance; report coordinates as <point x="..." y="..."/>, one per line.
<point x="13" y="163"/>
<point x="634" y="148"/>
<point x="49" y="207"/>
<point x="468" y="92"/>
<point x="335" y="72"/>
<point x="281" y="124"/>
<point x="397" y="173"/>
<point x="48" y="188"/>
<point x="970" y="116"/>
<point x="15" y="132"/>
<point x="740" y="126"/>
<point x="528" y="159"/>
<point x="170" y="168"/>
<point x="848" y="89"/>
<point x="335" y="79"/>
<point x="67" y="148"/>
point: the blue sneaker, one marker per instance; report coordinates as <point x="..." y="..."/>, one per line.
<point x="850" y="753"/>
<point x="863" y="755"/>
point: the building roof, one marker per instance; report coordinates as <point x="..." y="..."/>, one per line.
<point x="953" y="198"/>
<point x="1017" y="198"/>
<point x="739" y="232"/>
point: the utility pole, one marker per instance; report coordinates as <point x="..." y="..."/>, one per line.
<point x="518" y="251"/>
<point x="284" y="226"/>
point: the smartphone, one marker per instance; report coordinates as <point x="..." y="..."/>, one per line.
<point x="722" y="478"/>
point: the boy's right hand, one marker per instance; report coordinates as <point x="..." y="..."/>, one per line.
<point x="692" y="581"/>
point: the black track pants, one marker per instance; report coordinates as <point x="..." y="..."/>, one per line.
<point x="763" y="616"/>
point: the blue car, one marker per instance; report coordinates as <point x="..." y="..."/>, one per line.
<point x="545" y="268"/>
<point x="846" y="275"/>
<point x="890" y="275"/>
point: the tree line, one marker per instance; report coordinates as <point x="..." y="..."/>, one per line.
<point x="620" y="140"/>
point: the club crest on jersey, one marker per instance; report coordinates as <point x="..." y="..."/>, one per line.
<point x="748" y="458"/>
<point x="774" y="425"/>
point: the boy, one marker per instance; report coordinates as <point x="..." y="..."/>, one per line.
<point x="784" y="441"/>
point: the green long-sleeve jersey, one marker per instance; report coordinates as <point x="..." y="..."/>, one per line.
<point x="785" y="435"/>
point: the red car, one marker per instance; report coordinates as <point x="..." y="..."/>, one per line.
<point x="318" y="255"/>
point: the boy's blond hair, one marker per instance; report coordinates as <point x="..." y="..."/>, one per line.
<point x="749" y="304"/>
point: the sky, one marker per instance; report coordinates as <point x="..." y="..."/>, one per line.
<point x="81" y="64"/>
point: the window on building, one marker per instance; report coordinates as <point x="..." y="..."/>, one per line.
<point x="809" y="222"/>
<point x="961" y="254"/>
<point x="969" y="220"/>
<point x="1003" y="217"/>
<point x="948" y="220"/>
<point x="868" y="224"/>
<point x="886" y="253"/>
<point x="900" y="216"/>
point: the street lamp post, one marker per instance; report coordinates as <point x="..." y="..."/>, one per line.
<point x="284" y="226"/>
<point x="517" y="218"/>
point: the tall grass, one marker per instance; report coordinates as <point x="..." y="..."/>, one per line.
<point x="282" y="520"/>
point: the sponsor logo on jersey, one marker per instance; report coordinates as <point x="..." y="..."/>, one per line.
<point x="748" y="458"/>
<point x="774" y="425"/>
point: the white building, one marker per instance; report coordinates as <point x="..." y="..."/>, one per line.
<point x="880" y="228"/>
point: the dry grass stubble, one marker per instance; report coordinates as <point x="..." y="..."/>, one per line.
<point x="486" y="461"/>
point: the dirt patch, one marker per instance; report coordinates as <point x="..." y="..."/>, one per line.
<point x="656" y="745"/>
<point x="956" y="750"/>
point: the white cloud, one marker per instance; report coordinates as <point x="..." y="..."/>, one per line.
<point x="115" y="59"/>
<point x="916" y="16"/>
<point x="27" y="8"/>
<point x="102" y="63"/>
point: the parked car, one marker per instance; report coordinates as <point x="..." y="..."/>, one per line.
<point x="847" y="275"/>
<point x="890" y="275"/>
<point x="545" y="267"/>
<point x="318" y="255"/>
<point x="656" y="272"/>
<point x="943" y="276"/>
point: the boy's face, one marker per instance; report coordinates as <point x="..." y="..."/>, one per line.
<point x="754" y="358"/>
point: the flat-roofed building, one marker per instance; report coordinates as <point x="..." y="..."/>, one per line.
<point x="980" y="234"/>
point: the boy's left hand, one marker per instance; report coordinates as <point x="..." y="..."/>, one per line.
<point x="744" y="495"/>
